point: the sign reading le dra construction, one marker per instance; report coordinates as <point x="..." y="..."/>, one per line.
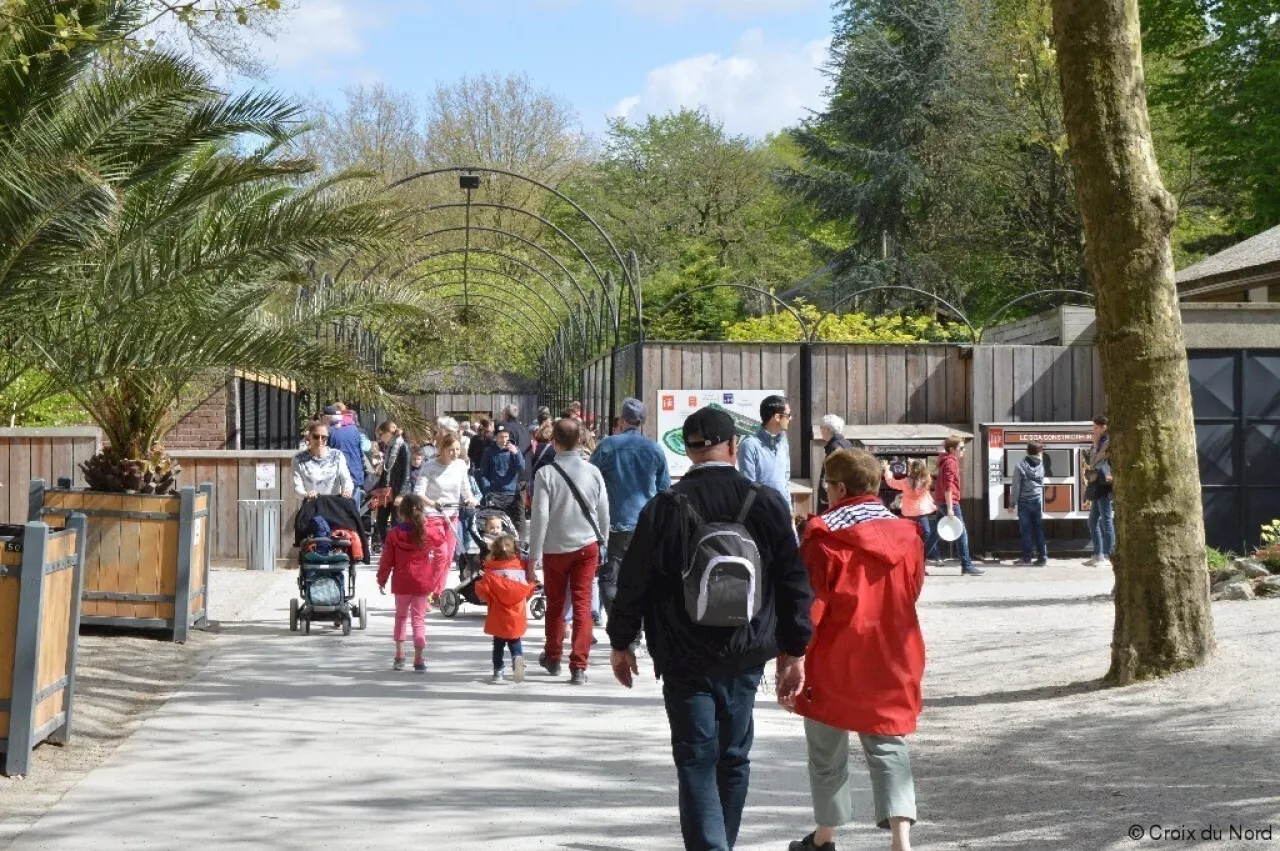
<point x="676" y="405"/>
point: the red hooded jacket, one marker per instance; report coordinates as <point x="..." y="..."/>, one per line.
<point x="948" y="480"/>
<point x="413" y="570"/>
<point x="865" y="663"/>
<point x="504" y="588"/>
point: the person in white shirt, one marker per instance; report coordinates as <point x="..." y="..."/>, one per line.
<point x="444" y="483"/>
<point x="319" y="470"/>
<point x="570" y="515"/>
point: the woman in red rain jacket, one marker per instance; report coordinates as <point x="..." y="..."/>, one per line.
<point x="865" y="663"/>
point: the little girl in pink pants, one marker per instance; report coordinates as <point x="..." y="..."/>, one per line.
<point x="411" y="559"/>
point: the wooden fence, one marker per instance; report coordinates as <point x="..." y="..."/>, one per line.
<point x="234" y="475"/>
<point x="41" y="453"/>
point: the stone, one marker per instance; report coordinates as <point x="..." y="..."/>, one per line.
<point x="1224" y="580"/>
<point x="1237" y="591"/>
<point x="1269" y="587"/>
<point x="1252" y="569"/>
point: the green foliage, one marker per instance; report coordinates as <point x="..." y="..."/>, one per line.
<point x="1217" y="560"/>
<point x="1220" y="82"/>
<point x="782" y="326"/>
<point x="1270" y="533"/>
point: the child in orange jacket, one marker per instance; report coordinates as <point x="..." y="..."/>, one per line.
<point x="506" y="590"/>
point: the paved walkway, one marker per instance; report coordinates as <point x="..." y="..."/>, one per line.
<point x="297" y="742"/>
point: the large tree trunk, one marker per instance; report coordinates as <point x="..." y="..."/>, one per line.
<point x="1163" y="620"/>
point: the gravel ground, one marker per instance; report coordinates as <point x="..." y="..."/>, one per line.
<point x="122" y="678"/>
<point x="1019" y="746"/>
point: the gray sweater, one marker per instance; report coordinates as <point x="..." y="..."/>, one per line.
<point x="557" y="523"/>
<point x="1028" y="481"/>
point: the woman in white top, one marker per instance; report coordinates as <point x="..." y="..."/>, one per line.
<point x="444" y="483"/>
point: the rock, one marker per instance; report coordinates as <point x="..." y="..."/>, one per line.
<point x="1237" y="591"/>
<point x="1220" y="582"/>
<point x="1252" y="569"/>
<point x="1269" y="587"/>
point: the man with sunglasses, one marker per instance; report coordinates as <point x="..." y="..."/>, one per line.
<point x="319" y="470"/>
<point x="765" y="457"/>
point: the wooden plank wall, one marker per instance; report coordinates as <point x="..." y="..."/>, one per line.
<point x="55" y="627"/>
<point x="41" y="453"/>
<point x="234" y="477"/>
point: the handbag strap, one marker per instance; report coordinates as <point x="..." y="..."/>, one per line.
<point x="582" y="503"/>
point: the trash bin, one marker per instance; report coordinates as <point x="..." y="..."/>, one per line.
<point x="262" y="532"/>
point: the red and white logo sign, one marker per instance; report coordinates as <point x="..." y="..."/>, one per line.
<point x="668" y="403"/>
<point x="693" y="401"/>
<point x="995" y="438"/>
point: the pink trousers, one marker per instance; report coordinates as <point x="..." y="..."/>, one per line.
<point x="411" y="606"/>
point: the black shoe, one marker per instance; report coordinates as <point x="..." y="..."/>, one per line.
<point x="972" y="571"/>
<point x="552" y="668"/>
<point x="1041" y="562"/>
<point x="578" y="678"/>
<point x="806" y="844"/>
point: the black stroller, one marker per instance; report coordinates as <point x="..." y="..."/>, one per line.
<point x="475" y="550"/>
<point x="326" y="566"/>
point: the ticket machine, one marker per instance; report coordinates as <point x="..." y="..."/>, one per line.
<point x="1066" y="456"/>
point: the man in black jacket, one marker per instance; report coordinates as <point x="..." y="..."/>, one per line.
<point x="711" y="674"/>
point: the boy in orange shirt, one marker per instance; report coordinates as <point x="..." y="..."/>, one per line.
<point x="506" y="590"/>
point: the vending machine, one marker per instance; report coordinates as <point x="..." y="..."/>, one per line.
<point x="1066" y="458"/>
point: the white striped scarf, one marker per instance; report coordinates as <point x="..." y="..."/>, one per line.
<point x="859" y="512"/>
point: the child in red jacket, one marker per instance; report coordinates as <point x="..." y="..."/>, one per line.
<point x="409" y="560"/>
<point x="506" y="590"/>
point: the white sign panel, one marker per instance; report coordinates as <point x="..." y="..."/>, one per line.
<point x="266" y="476"/>
<point x="674" y="406"/>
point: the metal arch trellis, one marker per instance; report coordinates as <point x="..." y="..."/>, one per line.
<point x="974" y="335"/>
<point x="991" y="320"/>
<point x="633" y="284"/>
<point x="580" y="336"/>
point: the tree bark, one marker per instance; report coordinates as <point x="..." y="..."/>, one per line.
<point x="1163" y="618"/>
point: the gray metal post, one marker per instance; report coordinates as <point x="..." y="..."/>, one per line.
<point x="79" y="524"/>
<point x="206" y="488"/>
<point x="35" y="499"/>
<point x="22" y="706"/>
<point x="182" y="597"/>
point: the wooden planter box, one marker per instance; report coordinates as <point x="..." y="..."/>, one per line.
<point x="146" y="557"/>
<point x="40" y="576"/>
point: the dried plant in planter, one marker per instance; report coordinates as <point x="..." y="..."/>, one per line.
<point x="157" y="474"/>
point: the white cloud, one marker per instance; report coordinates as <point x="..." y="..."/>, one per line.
<point x="760" y="89"/>
<point x="318" y="32"/>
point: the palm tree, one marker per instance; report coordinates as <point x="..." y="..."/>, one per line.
<point x="146" y="244"/>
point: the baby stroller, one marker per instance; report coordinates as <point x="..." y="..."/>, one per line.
<point x="327" y="585"/>
<point x="471" y="564"/>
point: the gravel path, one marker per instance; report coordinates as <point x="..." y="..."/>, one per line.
<point x="280" y="735"/>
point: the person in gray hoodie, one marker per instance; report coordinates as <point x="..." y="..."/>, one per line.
<point x="1028" y="496"/>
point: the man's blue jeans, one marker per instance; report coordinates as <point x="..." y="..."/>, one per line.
<point x="1031" y="525"/>
<point x="712" y="730"/>
<point x="1102" y="526"/>
<point x="962" y="545"/>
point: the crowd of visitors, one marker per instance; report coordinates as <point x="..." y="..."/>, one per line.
<point x="708" y="572"/>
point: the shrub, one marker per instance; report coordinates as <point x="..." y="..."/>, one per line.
<point x="1218" y="560"/>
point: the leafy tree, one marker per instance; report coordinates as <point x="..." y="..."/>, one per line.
<point x="782" y="326"/>
<point x="1221" y="85"/>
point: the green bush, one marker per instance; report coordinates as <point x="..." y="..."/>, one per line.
<point x="1217" y="559"/>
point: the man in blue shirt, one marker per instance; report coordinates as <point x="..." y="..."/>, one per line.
<point x="499" y="475"/>
<point x="765" y="457"/>
<point x="347" y="440"/>
<point x="634" y="471"/>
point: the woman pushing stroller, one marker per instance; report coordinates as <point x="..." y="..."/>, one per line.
<point x="444" y="485"/>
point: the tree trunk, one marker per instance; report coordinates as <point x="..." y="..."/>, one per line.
<point x="1163" y="619"/>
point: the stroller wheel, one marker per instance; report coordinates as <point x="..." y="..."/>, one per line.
<point x="450" y="602"/>
<point x="346" y="625"/>
<point x="306" y="626"/>
<point x="293" y="615"/>
<point x="538" y="608"/>
<point x="364" y="613"/>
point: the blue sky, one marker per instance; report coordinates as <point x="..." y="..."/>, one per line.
<point x="752" y="63"/>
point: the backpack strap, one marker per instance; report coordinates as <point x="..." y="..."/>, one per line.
<point x="582" y="503"/>
<point x="747" y="504"/>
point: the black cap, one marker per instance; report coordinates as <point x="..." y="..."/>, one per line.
<point x="708" y="427"/>
<point x="501" y="428"/>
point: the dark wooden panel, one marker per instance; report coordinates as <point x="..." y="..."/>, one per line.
<point x="1042" y="359"/>
<point x="877" y="387"/>
<point x="1061" y="391"/>
<point x="917" y="384"/>
<point x="935" y="385"/>
<point x="856" y="382"/>
<point x="1023" y="399"/>
<point x="713" y="358"/>
<point x="1002" y="384"/>
<point x="1082" y="383"/>
<point x="895" y="370"/>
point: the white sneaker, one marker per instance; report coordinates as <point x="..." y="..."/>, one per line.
<point x="1090" y="562"/>
<point x="517" y="665"/>
<point x="1103" y="562"/>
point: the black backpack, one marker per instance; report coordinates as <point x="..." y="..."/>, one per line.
<point x="722" y="573"/>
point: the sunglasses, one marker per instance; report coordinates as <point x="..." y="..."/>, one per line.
<point x="322" y="437"/>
